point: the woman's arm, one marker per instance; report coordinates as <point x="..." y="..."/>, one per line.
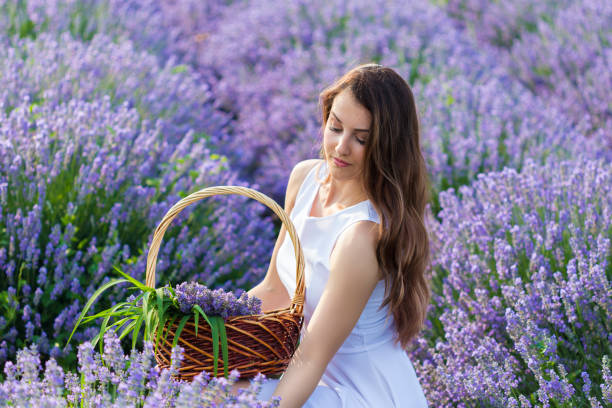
<point x="271" y="290"/>
<point x="353" y="276"/>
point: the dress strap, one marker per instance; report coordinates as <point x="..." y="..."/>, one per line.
<point x="306" y="192"/>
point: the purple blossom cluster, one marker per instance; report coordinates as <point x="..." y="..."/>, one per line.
<point x="521" y="281"/>
<point x="97" y="141"/>
<point x="117" y="380"/>
<point x="216" y="302"/>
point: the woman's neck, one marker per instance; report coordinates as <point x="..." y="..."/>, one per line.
<point x="340" y="194"/>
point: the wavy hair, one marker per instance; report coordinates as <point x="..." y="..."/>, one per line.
<point x="395" y="180"/>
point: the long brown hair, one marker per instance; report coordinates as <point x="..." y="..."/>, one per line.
<point x="395" y="180"/>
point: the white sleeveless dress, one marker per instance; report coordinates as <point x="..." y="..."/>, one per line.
<point x="369" y="369"/>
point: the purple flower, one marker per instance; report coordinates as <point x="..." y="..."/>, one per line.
<point x="216" y="302"/>
<point x="105" y="120"/>
<point x="139" y="384"/>
<point x="503" y="294"/>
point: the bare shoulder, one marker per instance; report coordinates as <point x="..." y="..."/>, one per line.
<point x="357" y="245"/>
<point x="296" y="178"/>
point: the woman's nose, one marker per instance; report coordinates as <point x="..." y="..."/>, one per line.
<point x="342" y="148"/>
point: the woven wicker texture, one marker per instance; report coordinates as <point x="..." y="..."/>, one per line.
<point x="259" y="343"/>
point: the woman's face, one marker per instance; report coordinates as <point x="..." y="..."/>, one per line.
<point x="345" y="135"/>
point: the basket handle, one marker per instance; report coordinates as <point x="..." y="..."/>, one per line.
<point x="297" y="302"/>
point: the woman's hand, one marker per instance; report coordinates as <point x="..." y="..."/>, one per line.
<point x="271" y="290"/>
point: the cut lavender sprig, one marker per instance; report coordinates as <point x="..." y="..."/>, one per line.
<point x="216" y="302"/>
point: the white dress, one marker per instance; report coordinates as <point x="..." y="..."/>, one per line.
<point x="369" y="369"/>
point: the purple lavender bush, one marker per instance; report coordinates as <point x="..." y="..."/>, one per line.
<point x="471" y="128"/>
<point x="562" y="55"/>
<point x="169" y="29"/>
<point x="502" y="23"/>
<point x="568" y="60"/>
<point x="521" y="278"/>
<point x="56" y="70"/>
<point x="112" y="379"/>
<point x="97" y="142"/>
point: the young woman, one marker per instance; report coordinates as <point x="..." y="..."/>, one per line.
<point x="359" y="215"/>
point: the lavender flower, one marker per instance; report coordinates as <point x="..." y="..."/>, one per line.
<point x="216" y="302"/>
<point x="559" y="49"/>
<point x="105" y="120"/>
<point x="140" y="385"/>
<point x="521" y="294"/>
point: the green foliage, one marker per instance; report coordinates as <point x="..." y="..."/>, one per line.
<point x="82" y="19"/>
<point x="158" y="310"/>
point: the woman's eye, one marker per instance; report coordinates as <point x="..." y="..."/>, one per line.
<point x="361" y="142"/>
<point x="333" y="129"/>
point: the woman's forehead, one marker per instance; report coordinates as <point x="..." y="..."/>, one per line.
<point x="349" y="111"/>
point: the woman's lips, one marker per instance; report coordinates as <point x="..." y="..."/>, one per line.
<point x="340" y="163"/>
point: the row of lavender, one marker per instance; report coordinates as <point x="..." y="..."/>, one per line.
<point x="266" y="64"/>
<point x="523" y="264"/>
<point x="522" y="304"/>
<point x="116" y="380"/>
<point x="560" y="50"/>
<point x="522" y="286"/>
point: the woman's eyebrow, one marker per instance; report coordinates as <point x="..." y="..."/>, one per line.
<point x="356" y="130"/>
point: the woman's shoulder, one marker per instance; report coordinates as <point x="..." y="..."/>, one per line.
<point x="357" y="243"/>
<point x="301" y="170"/>
<point x="296" y="178"/>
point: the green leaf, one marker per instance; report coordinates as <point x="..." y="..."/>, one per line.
<point x="179" y="68"/>
<point x="179" y="329"/>
<point x="149" y="317"/>
<point x="139" y="285"/>
<point x="162" y="317"/>
<point x="223" y="336"/>
<point x="104" y="313"/>
<point x="196" y="316"/>
<point x="160" y="298"/>
<point x="137" y="330"/>
<point x="146" y="313"/>
<point x="199" y="309"/>
<point x="91" y="300"/>
<point x="170" y="323"/>
<point x="106" y="320"/>
<point x="118" y="323"/>
<point x="159" y="294"/>
<point x="128" y="329"/>
<point x="215" y="340"/>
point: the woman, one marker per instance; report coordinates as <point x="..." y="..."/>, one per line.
<point x="359" y="215"/>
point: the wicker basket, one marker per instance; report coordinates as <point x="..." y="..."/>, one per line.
<point x="256" y="344"/>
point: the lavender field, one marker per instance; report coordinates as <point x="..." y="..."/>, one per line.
<point x="113" y="110"/>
